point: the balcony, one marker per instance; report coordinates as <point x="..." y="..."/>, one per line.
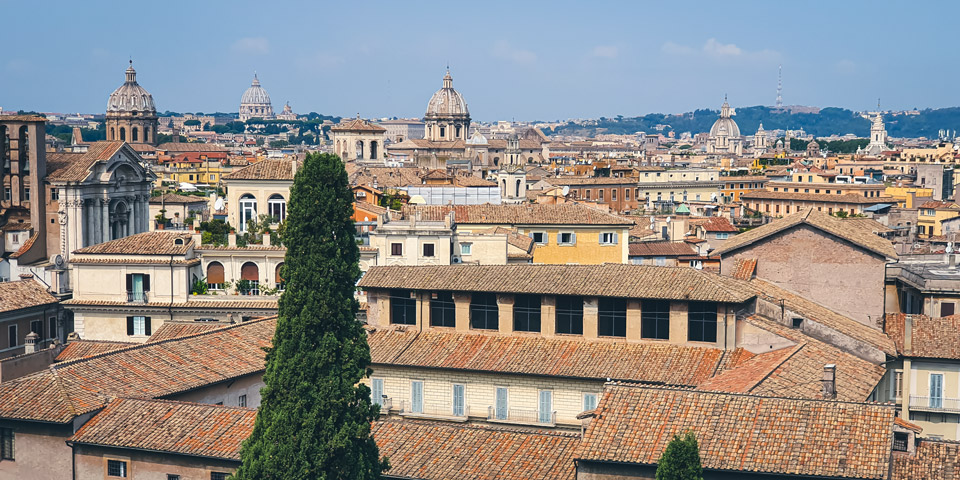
<point x="137" y="297"/>
<point x="434" y="411"/>
<point x="386" y="404"/>
<point x="520" y="416"/>
<point x="934" y="404"/>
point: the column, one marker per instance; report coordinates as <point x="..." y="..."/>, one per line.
<point x="462" y="302"/>
<point x="505" y="307"/>
<point x="106" y="234"/>
<point x="678" y="322"/>
<point x="590" y="317"/>
<point x="633" y="320"/>
<point x="548" y="316"/>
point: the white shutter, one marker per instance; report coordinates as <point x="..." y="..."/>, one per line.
<point x="616" y="238"/>
<point x="546" y="405"/>
<point x="573" y="238"/>
<point x="416" y="397"/>
<point x="458" y="400"/>
<point x="589" y="401"/>
<point x="376" y="390"/>
<point x="501" y="406"/>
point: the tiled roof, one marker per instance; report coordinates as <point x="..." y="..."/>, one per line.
<point x="75" y="167"/>
<point x="132" y="261"/>
<point x="561" y="214"/>
<point x="592" y="181"/>
<point x="17" y="227"/>
<point x="78" y="349"/>
<point x="269" y="169"/>
<point x="149" y="370"/>
<point x="472" y="181"/>
<point x="660" y="249"/>
<point x="173" y="198"/>
<point x="225" y="303"/>
<point x="357" y="125"/>
<point x="744" y="268"/>
<point x="195" y="429"/>
<point x="607" y="280"/>
<point x="441" y="451"/>
<point x="22" y="294"/>
<point x="932" y="337"/>
<point x="551" y="357"/>
<point x="933" y="460"/>
<point x="815" y="197"/>
<point x="182" y="329"/>
<point x="718" y="224"/>
<point x="856" y="234"/>
<point x="743" y="433"/>
<point x="146" y="243"/>
<point x="386" y="177"/>
<point x="26" y="246"/>
<point x="868" y="224"/>
<point x="176" y="147"/>
<point x="938" y="205"/>
<point x="523" y="242"/>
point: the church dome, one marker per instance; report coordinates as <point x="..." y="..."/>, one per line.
<point x="447" y="102"/>
<point x="255" y="95"/>
<point x="725" y="125"/>
<point x="477" y="139"/>
<point x="131" y="97"/>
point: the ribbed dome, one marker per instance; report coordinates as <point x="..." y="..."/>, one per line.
<point x="725" y="125"/>
<point x="447" y="101"/>
<point x="255" y="95"/>
<point x="131" y="97"/>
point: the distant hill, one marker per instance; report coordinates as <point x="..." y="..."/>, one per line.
<point x="828" y="121"/>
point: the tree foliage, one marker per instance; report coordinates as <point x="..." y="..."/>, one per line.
<point x="681" y="459"/>
<point x="315" y="418"/>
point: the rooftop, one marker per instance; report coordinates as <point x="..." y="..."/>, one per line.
<point x="269" y="169"/>
<point x="815" y="197"/>
<point x="75" y="167"/>
<point x="660" y="249"/>
<point x="562" y="214"/>
<point x="931" y="337"/>
<point x="146" y="243"/>
<point x="21" y="294"/>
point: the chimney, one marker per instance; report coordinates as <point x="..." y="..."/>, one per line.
<point x="266" y="238"/>
<point x="293" y="167"/>
<point x="830" y="381"/>
<point x="908" y="334"/>
<point x="232" y="239"/>
<point x="30" y="345"/>
<point x="197" y="238"/>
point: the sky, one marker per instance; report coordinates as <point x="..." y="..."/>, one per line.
<point x="510" y="60"/>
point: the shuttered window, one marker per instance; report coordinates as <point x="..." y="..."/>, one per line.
<point x="138" y="325"/>
<point x="416" y="396"/>
<point x="501" y="403"/>
<point x="215" y="276"/>
<point x="250" y="271"/>
<point x="376" y="390"/>
<point x="546" y="406"/>
<point x="458" y="400"/>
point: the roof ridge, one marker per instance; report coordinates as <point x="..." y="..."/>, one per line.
<point x="744" y="394"/>
<point x="796" y="349"/>
<point x="184" y="403"/>
<point x="478" y="426"/>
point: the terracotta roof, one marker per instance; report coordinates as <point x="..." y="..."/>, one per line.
<point x="743" y="433"/>
<point x="592" y="181"/>
<point x="173" y="198"/>
<point x="269" y="169"/>
<point x="182" y="329"/>
<point x="868" y="224"/>
<point x="150" y="370"/>
<point x="147" y="243"/>
<point x="26" y="246"/>
<point x="17" y="227"/>
<point x="212" y="431"/>
<point x="78" y="349"/>
<point x="357" y="125"/>
<point x="660" y="249"/>
<point x="386" y="177"/>
<point x="22" y="294"/>
<point x="437" y="174"/>
<point x="933" y="460"/>
<point x="22" y="118"/>
<point x="718" y="224"/>
<point x="744" y="268"/>
<point x="938" y="205"/>
<point x="523" y="242"/>
<point x="651" y="362"/>
<point x="640" y="230"/>
<point x="472" y="181"/>
<point x="856" y="234"/>
<point x="131" y="261"/>
<point x="562" y="214"/>
<point x="441" y="451"/>
<point x="75" y="167"/>
<point x="815" y="197"/>
<point x="932" y="337"/>
<point x="176" y="147"/>
<point x="607" y="280"/>
<point x="225" y="303"/>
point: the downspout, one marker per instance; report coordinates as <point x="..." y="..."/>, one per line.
<point x="73" y="460"/>
<point x="170" y="308"/>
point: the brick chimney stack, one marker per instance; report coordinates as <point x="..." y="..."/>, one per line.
<point x="830" y="381"/>
<point x="30" y="345"/>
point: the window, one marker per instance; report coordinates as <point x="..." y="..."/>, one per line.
<point x="626" y="194"/>
<point x="797" y="322"/>
<point x="612" y="317"/>
<point x="589" y="401"/>
<point x="242" y="401"/>
<point x="376" y="391"/>
<point x="7" y="444"/>
<point x="896" y="388"/>
<point x="723" y="236"/>
<point x="655" y="319"/>
<point x="215" y="276"/>
<point x="545" y="412"/>
<point x="936" y="390"/>
<point x="396" y="249"/>
<point x="219" y="476"/>
<point x="613" y="194"/>
<point x="403" y="307"/>
<point x="138" y="325"/>
<point x="566" y="238"/>
<point x="526" y="313"/>
<point x="138" y="284"/>
<point x="600" y="195"/>
<point x="26" y="193"/>
<point x="416" y="396"/>
<point x="7" y="193"/>
<point x="116" y="468"/>
<point x="12" y="336"/>
<point x="443" y="310"/>
<point x="484" y="313"/>
<point x="540" y="238"/>
<point x="171" y="476"/>
<point x="947" y="309"/>
<point x="53" y="327"/>
<point x="248" y="210"/>
<point x="466" y="248"/>
<point x="277" y="208"/>
<point x="570" y="315"/>
<point x="702" y="322"/>
<point x="900" y="441"/>
<point x="500" y="406"/>
<point x="428" y="250"/>
<point x="608" y="238"/>
<point x="458" y="400"/>
<point x="660" y="261"/>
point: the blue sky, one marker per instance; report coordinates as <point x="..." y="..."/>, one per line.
<point x="510" y="60"/>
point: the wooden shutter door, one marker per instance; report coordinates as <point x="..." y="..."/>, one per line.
<point x="215" y="273"/>
<point x="129" y="325"/>
<point x="249" y="271"/>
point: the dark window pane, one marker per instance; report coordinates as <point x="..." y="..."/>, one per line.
<point x="526" y="313"/>
<point x="427" y="249"/>
<point x="403" y="308"/>
<point x="570" y="315"/>
<point x="612" y="317"/>
<point x="655" y="319"/>
<point x="443" y="311"/>
<point x="702" y="322"/>
<point x="484" y="313"/>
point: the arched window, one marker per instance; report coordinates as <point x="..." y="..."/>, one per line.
<point x="277" y="207"/>
<point x="248" y="210"/>
<point x="215" y="277"/>
<point x="134" y="135"/>
<point x="518" y="189"/>
<point x="496" y="161"/>
<point x="443" y="132"/>
<point x="360" y="149"/>
<point x="250" y="278"/>
<point x="123" y="134"/>
<point x="113" y="133"/>
<point x="281" y="285"/>
<point x="146" y="134"/>
<point x="24" y="147"/>
<point x="373" y="150"/>
<point x="458" y="131"/>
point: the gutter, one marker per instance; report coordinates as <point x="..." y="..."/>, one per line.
<point x="148" y="450"/>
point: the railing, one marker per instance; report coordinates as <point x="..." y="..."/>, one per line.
<point x="522" y="416"/>
<point x="386" y="404"/>
<point x="935" y="404"/>
<point x="434" y="410"/>
<point x="137" y="297"/>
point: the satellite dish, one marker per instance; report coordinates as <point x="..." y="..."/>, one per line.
<point x="668" y="219"/>
<point x="566" y="190"/>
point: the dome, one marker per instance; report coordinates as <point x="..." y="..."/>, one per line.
<point x="131" y="97"/>
<point x="447" y="101"/>
<point x="725" y="125"/>
<point x="477" y="139"/>
<point x="255" y="95"/>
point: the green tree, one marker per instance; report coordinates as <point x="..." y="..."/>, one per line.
<point x="315" y="418"/>
<point x="681" y="459"/>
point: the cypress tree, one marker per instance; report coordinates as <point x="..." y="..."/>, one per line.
<point x="681" y="459"/>
<point x="315" y="417"/>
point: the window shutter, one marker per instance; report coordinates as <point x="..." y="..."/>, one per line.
<point x="146" y="283"/>
<point x="129" y="282"/>
<point x="129" y="325"/>
<point x="416" y="397"/>
<point x="250" y="271"/>
<point x="215" y="273"/>
<point x="146" y="325"/>
<point x="573" y="238"/>
<point x="278" y="278"/>
<point x="545" y="406"/>
<point x="616" y="238"/>
<point x="377" y="390"/>
<point x="458" y="400"/>
<point x="501" y="403"/>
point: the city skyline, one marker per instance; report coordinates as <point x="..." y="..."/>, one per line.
<point x="532" y="62"/>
